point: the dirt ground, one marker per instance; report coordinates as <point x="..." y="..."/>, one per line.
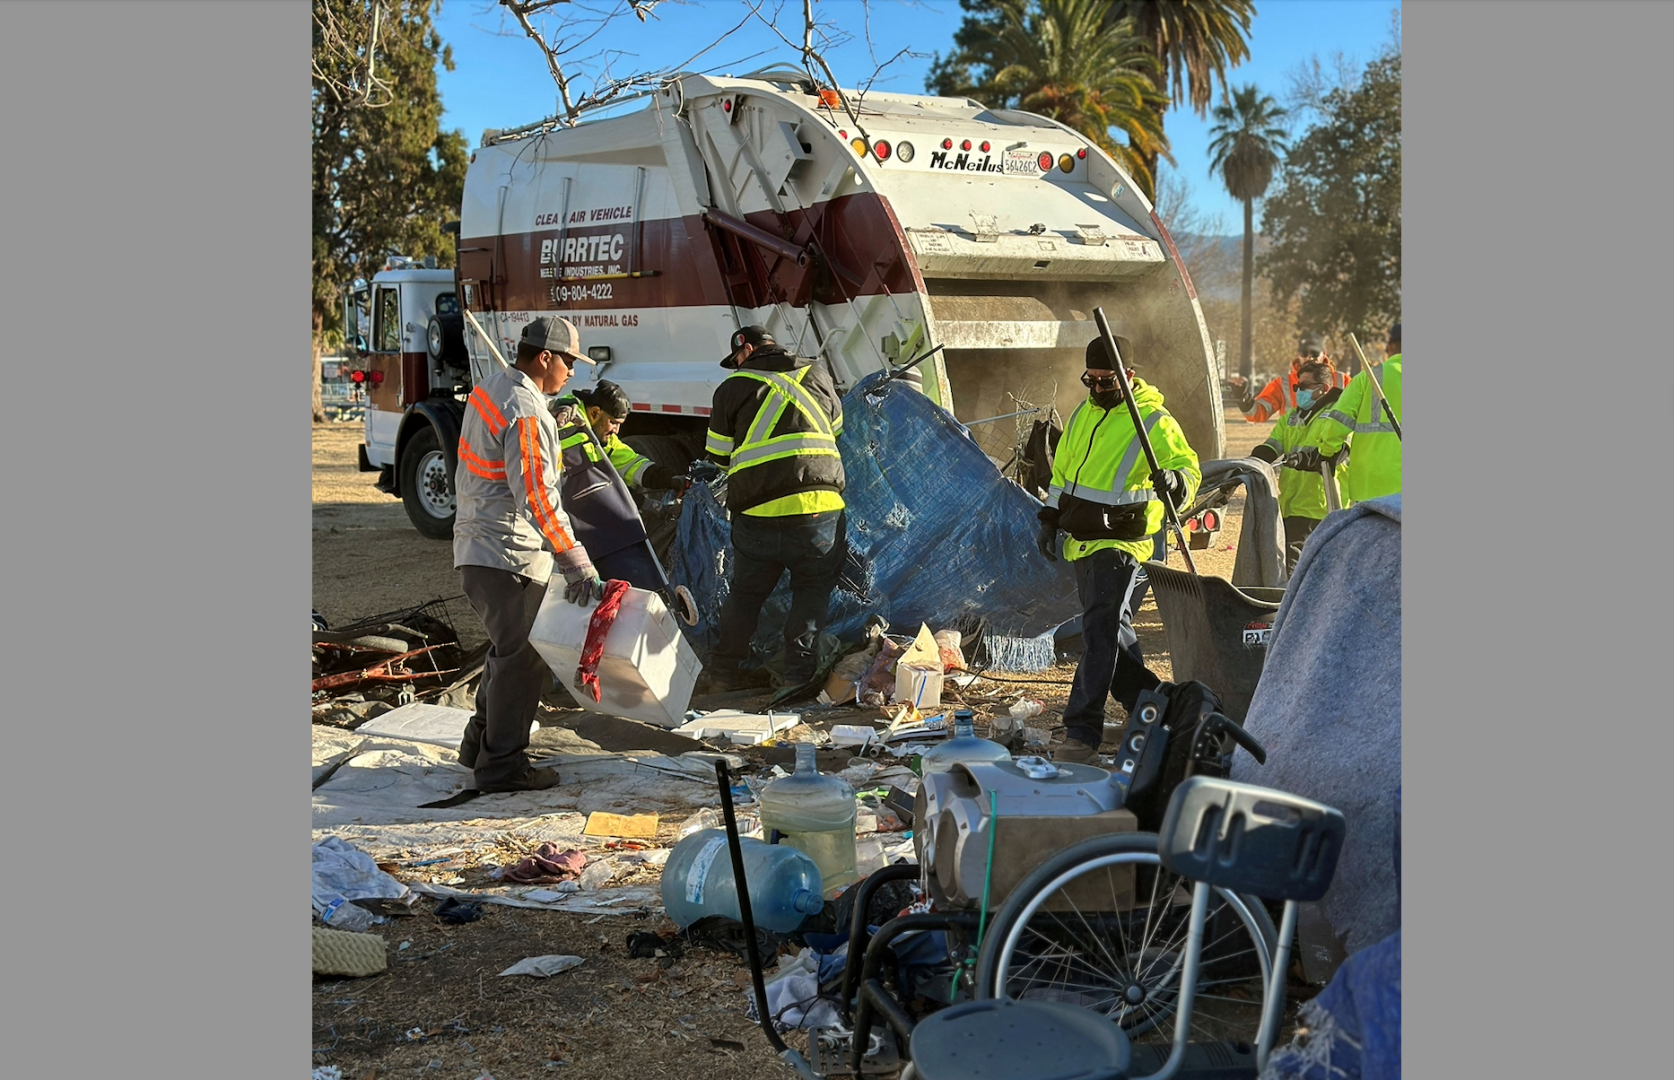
<point x="440" y="1009"/>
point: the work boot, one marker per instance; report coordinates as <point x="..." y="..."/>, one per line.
<point x="1077" y="752"/>
<point x="531" y="779"/>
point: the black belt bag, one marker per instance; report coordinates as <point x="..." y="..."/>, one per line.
<point x="1095" y="521"/>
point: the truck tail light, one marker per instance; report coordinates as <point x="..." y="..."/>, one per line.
<point x="830" y="99"/>
<point x="1044" y="161"/>
<point x="947" y="144"/>
<point x="966" y="145"/>
<point x="984" y="146"/>
<point x="881" y="150"/>
<point x="1081" y="153"/>
<point x="904" y="151"/>
<point x="858" y="145"/>
<point x="1066" y="163"/>
<point x="377" y="377"/>
<point x="357" y="376"/>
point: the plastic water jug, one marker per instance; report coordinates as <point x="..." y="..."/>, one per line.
<point x="697" y="882"/>
<point x="815" y="813"/>
<point x="963" y="748"/>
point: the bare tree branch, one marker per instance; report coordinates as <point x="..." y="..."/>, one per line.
<point x="345" y="57"/>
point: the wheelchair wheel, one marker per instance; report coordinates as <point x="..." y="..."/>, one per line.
<point x="1103" y="925"/>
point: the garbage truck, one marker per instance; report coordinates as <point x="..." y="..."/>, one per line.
<point x="874" y="232"/>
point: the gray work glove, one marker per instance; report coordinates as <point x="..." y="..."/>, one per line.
<point x="1306" y="459"/>
<point x="1170" y="485"/>
<point x="582" y="584"/>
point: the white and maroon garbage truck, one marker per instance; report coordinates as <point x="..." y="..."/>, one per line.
<point x="864" y="238"/>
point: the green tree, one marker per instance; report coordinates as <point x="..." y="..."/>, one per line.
<point x="1335" y="220"/>
<point x="1194" y="43"/>
<point x="386" y="177"/>
<point x="1063" y="59"/>
<point x="1245" y="151"/>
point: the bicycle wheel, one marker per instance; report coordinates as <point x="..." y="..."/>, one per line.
<point x="1103" y="925"/>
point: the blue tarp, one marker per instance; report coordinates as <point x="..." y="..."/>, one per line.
<point x="936" y="535"/>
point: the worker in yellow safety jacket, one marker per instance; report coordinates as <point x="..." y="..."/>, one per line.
<point x="1104" y="496"/>
<point x="773" y="425"/>
<point x="1374" y="469"/>
<point x="1302" y="501"/>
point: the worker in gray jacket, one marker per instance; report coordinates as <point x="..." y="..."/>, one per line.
<point x="510" y="533"/>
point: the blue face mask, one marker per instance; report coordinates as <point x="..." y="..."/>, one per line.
<point x="1304" y="398"/>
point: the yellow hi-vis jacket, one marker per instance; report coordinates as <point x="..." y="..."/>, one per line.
<point x="1099" y="459"/>
<point x="1374" y="467"/>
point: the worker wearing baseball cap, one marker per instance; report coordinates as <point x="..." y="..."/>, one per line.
<point x="1278" y="397"/>
<point x="773" y="425"/>
<point x="1374" y="469"/>
<point x="510" y="533"/>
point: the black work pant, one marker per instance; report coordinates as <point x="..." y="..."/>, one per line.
<point x="1297" y="531"/>
<point x="811" y="547"/>
<point x="514" y="676"/>
<point x="1111" y="662"/>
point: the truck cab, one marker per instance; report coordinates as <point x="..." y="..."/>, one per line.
<point x="404" y="328"/>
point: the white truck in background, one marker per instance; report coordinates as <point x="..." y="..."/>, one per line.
<point x="729" y="201"/>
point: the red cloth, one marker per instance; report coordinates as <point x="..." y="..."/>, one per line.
<point x="548" y="865"/>
<point x="604" y="617"/>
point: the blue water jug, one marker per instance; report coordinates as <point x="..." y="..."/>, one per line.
<point x="697" y="881"/>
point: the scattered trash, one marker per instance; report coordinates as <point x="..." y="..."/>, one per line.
<point x="645" y="668"/>
<point x="547" y="896"/>
<point x="740" y="728"/>
<point x="860" y="735"/>
<point x="784" y="883"/>
<point x="947" y="645"/>
<point x="597" y="874"/>
<point x="328" y="1072"/>
<point x="546" y="865"/>
<point x="543" y="966"/>
<point x="600" y="823"/>
<point x="337" y="952"/>
<point x="457" y="912"/>
<point x="793" y="992"/>
<point x="415" y="1034"/>
<point x="711" y="818"/>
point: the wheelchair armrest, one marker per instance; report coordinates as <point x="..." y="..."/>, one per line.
<point x="1250" y="839"/>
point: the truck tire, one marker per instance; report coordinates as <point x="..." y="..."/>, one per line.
<point x="426" y="485"/>
<point x="444" y="340"/>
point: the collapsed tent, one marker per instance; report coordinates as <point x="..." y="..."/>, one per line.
<point x="936" y="535"/>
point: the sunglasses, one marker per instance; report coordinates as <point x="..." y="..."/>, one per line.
<point x="1098" y="382"/>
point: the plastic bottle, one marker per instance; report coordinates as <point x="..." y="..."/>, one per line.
<point x="697" y="882"/>
<point x="1024" y="708"/>
<point x="964" y="747"/>
<point x="341" y="914"/>
<point x="815" y="813"/>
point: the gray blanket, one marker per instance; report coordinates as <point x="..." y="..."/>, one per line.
<point x="1328" y="706"/>
<point x="1260" y="560"/>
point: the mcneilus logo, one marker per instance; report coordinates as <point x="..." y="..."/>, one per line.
<point x="963" y="162"/>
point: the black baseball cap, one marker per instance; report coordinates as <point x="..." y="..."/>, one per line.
<point x="1310" y="346"/>
<point x="609" y="397"/>
<point x="746" y="335"/>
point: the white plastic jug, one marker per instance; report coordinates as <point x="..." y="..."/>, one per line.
<point x="647" y="670"/>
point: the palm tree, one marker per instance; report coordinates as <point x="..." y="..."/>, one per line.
<point x="1063" y="59"/>
<point x="1245" y="151"/>
<point x="1194" y="42"/>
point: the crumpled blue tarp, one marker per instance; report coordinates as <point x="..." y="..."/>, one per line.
<point x="935" y="533"/>
<point x="1353" y="1026"/>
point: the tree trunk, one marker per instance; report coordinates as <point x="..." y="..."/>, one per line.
<point x="1244" y="359"/>
<point x="319" y="326"/>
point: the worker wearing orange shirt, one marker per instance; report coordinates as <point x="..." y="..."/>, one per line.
<point x="1278" y="397"/>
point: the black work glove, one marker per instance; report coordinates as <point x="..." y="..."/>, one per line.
<point x="1047" y="541"/>
<point x="1340" y="457"/>
<point x="1265" y="453"/>
<point x="1170" y="485"/>
<point x="1306" y="459"/>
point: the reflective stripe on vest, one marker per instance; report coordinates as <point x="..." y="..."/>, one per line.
<point x="1116" y="496"/>
<point x="783" y="392"/>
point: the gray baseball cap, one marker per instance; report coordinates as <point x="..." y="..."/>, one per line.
<point x="557" y="335"/>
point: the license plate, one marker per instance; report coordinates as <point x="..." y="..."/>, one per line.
<point x="1021" y="163"/>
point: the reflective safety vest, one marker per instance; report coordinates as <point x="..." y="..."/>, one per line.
<point x="597" y="499"/>
<point x="1374" y="466"/>
<point x="776" y="432"/>
<point x="1302" y="493"/>
<point x="1100" y="460"/>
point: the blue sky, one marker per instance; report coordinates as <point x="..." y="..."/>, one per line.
<point x="500" y="78"/>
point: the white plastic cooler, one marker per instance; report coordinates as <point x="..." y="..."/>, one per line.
<point x="647" y="670"/>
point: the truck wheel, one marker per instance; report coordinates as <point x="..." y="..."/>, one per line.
<point x="426" y="486"/>
<point x="675" y="451"/>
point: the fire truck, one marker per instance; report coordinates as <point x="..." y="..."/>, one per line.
<point x="871" y="232"/>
